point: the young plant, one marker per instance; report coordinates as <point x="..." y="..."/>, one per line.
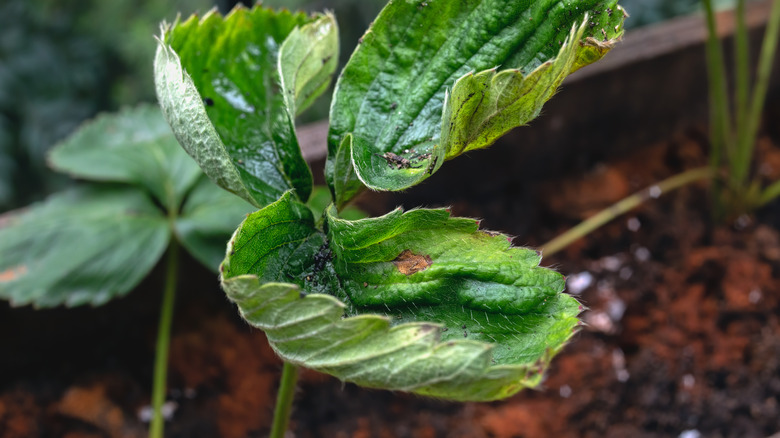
<point x="97" y="241"/>
<point x="733" y="140"/>
<point x="415" y="301"/>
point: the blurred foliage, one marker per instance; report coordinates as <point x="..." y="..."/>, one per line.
<point x="62" y="61"/>
<point x="644" y="12"/>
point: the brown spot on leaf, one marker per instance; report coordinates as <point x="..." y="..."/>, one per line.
<point x="408" y="262"/>
<point x="13" y="273"/>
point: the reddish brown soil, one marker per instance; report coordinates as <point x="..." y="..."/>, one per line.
<point x="682" y="334"/>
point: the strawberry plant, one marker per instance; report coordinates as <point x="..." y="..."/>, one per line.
<point x="416" y="301"/>
<point x="95" y="242"/>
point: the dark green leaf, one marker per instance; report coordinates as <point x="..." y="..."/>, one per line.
<point x="387" y="302"/>
<point x="391" y="94"/>
<point x="220" y="89"/>
<point x="84" y="246"/>
<point x="276" y="243"/>
<point x="208" y="219"/>
<point x="133" y="146"/>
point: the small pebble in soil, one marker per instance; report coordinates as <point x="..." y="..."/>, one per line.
<point x="616" y="308"/>
<point x="633" y="224"/>
<point x="619" y="365"/>
<point x="655" y="192"/>
<point x="625" y="273"/>
<point x="692" y="433"/>
<point x="688" y="381"/>
<point x="168" y="408"/>
<point x="611" y="263"/>
<point x="742" y="222"/>
<point x="576" y="283"/>
<point x="755" y="296"/>
<point x="642" y="254"/>
<point x="600" y="321"/>
<point x="565" y="391"/>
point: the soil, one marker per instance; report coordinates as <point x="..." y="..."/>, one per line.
<point x="682" y="334"/>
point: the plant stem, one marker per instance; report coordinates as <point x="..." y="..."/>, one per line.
<point x="623" y="206"/>
<point x="741" y="67"/>
<point x="769" y="194"/>
<point x="719" y="105"/>
<point x="163" y="340"/>
<point x="284" y="400"/>
<point x="753" y="117"/>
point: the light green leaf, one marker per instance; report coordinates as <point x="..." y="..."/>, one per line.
<point x="413" y="301"/>
<point x="83" y="246"/>
<point x="320" y="200"/>
<point x="390" y="96"/>
<point x="219" y="87"/>
<point x="207" y="220"/>
<point x="487" y="105"/>
<point x="307" y="60"/>
<point x="133" y="146"/>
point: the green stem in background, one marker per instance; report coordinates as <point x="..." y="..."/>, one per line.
<point x="741" y="67"/>
<point x="284" y="400"/>
<point x="623" y="206"/>
<point x="719" y="105"/>
<point x="163" y="340"/>
<point x="753" y="117"/>
<point x="769" y="194"/>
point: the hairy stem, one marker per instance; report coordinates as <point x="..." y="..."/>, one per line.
<point x="163" y="340"/>
<point x="284" y="400"/>
<point x="623" y="206"/>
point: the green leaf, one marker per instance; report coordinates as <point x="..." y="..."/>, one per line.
<point x="414" y="301"/>
<point x="220" y="89"/>
<point x="391" y="95"/>
<point x="83" y="246"/>
<point x="133" y="146"/>
<point x="320" y="200"/>
<point x="487" y="105"/>
<point x="277" y="243"/>
<point x="207" y="220"/>
<point x="307" y="60"/>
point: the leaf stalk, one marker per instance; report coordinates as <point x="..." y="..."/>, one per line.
<point x="284" y="400"/>
<point x="156" y="427"/>
<point x="623" y="206"/>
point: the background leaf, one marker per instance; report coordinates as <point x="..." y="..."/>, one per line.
<point x="219" y="88"/>
<point x="207" y="219"/>
<point x="390" y="95"/>
<point x="83" y="246"/>
<point x="134" y="146"/>
<point x="413" y="301"/>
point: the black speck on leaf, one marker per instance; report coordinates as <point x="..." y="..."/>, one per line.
<point x="208" y="101"/>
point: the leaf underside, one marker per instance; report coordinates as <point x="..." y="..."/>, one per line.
<point x="83" y="246"/>
<point x="501" y="59"/>
<point x="414" y="301"/>
<point x="231" y="100"/>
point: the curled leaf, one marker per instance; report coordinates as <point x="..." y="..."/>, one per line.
<point x="391" y="95"/>
<point x="414" y="301"/>
<point x="231" y="100"/>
